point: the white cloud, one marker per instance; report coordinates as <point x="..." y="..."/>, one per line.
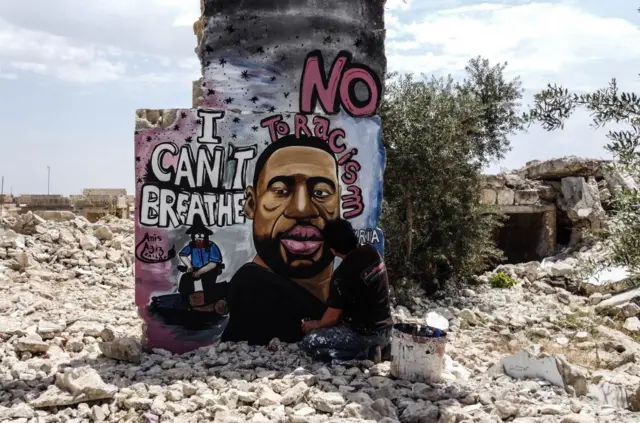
<point x="7" y="75"/>
<point x="105" y="42"/>
<point x="403" y="45"/>
<point x="46" y="54"/>
<point x="538" y="40"/>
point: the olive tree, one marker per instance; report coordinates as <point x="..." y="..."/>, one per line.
<point x="554" y="105"/>
<point x="439" y="135"/>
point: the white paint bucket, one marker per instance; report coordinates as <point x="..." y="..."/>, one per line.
<point x="414" y="356"/>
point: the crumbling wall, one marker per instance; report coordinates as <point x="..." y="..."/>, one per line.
<point x="43" y="202"/>
<point x="571" y="193"/>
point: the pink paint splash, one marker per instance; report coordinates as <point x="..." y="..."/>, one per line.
<point x="157" y="278"/>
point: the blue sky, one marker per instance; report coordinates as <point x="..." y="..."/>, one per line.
<point x="72" y="72"/>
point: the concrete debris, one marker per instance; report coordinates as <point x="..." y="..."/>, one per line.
<point x="70" y="348"/>
<point x="125" y="349"/>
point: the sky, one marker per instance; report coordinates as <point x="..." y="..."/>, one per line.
<point x="73" y="72"/>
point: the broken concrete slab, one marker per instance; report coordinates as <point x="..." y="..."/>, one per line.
<point x="582" y="201"/>
<point x="612" y="388"/>
<point x="75" y="386"/>
<point x="554" y="369"/>
<point x="563" y="167"/>
<point x="525" y="365"/>
<point x="618" y="299"/>
<point x="609" y="394"/>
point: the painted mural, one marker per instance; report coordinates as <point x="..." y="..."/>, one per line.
<point x="231" y="204"/>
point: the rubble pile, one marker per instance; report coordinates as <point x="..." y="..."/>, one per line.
<point x="70" y="348"/>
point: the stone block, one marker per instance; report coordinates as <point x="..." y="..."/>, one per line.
<point x="514" y="181"/>
<point x="493" y="181"/>
<point x="506" y="197"/>
<point x="582" y="201"/>
<point x="488" y="196"/>
<point x="547" y="193"/>
<point x="526" y="196"/>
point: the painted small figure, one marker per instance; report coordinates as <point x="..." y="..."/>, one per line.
<point x="202" y="262"/>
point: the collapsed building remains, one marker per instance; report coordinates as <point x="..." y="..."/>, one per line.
<point x="550" y="204"/>
<point x="92" y="204"/>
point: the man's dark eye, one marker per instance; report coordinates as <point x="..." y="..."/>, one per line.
<point x="281" y="191"/>
<point x="320" y="193"/>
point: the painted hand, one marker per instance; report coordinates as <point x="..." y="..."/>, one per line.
<point x="310" y="326"/>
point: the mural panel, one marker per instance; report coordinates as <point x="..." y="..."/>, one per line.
<point x="233" y="195"/>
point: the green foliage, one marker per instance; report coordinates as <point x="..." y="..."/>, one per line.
<point x="556" y="104"/>
<point x="502" y="280"/>
<point x="439" y="134"/>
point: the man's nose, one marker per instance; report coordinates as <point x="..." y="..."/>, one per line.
<point x="301" y="206"/>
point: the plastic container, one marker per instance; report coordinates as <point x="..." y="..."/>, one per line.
<point x="417" y="355"/>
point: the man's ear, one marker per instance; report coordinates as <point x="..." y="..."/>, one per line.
<point x="250" y="202"/>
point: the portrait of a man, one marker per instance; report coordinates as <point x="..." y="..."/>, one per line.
<point x="295" y="191"/>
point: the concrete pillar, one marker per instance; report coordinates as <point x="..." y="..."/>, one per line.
<point x="255" y="55"/>
<point x="307" y="72"/>
<point x="548" y="237"/>
<point x="256" y="48"/>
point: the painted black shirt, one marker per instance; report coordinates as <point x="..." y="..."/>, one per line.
<point x="264" y="305"/>
<point x="360" y="288"/>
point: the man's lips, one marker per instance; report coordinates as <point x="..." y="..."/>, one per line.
<point x="302" y="240"/>
<point x="304" y="232"/>
<point x="302" y="248"/>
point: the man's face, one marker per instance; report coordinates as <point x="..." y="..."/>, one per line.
<point x="296" y="193"/>
<point x="198" y="240"/>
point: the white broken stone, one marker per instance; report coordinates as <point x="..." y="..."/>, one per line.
<point x="75" y="386"/>
<point x="523" y="365"/>
<point x="48" y="330"/>
<point x="32" y="343"/>
<point x="327" y="402"/>
<point x="295" y="394"/>
<point x="86" y="327"/>
<point x="125" y="349"/>
<point x="618" y="299"/>
<point x="103" y="233"/>
<point x="561" y="269"/>
<point x="632" y="324"/>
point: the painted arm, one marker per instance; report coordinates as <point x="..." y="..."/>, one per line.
<point x="330" y="318"/>
<point x="206" y="268"/>
<point x="187" y="262"/>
